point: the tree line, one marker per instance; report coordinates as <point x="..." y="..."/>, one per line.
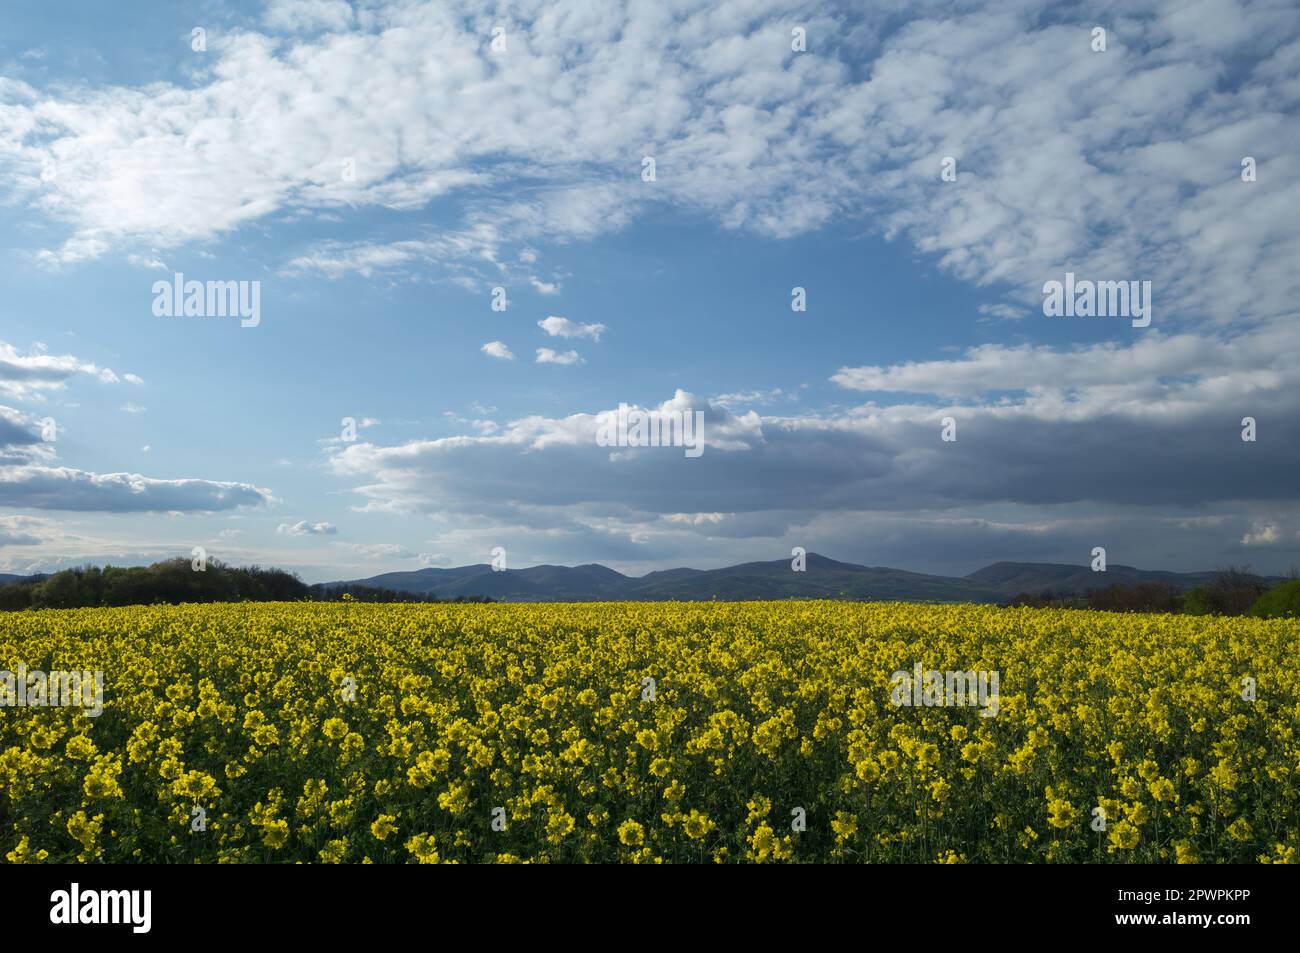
<point x="175" y="580"/>
<point x="1230" y="591"/>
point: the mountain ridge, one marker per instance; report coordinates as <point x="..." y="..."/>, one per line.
<point x="824" y="578"/>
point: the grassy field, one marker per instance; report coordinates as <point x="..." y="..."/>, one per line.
<point x="703" y="732"/>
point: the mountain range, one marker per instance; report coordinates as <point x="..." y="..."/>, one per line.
<point x="823" y="578"/>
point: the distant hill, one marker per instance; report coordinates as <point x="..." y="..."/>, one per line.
<point x="1000" y="583"/>
<point x="1014" y="578"/>
<point x="824" y="579"/>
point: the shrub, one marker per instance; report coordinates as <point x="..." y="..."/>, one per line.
<point x="1280" y="602"/>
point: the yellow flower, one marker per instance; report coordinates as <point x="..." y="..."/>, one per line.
<point x="23" y="854"/>
<point x="763" y="842"/>
<point x="455" y="799"/>
<point x="101" y="782"/>
<point x="558" y="826"/>
<point x="845" y="825"/>
<point x="540" y="708"/>
<point x="1282" y="854"/>
<point x="195" y="786"/>
<point x="1060" y="813"/>
<point x="697" y="825"/>
<point x="1122" y="836"/>
<point x="334" y="851"/>
<point x="423" y="848"/>
<point x="1240" y="830"/>
<point x="382" y="826"/>
<point x="631" y="833"/>
<point x="85" y="830"/>
<point x="275" y="834"/>
<point x="80" y="748"/>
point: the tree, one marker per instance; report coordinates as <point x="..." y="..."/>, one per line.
<point x="1232" y="590"/>
<point x="1154" y="596"/>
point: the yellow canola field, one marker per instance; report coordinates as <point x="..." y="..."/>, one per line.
<point x="649" y="732"/>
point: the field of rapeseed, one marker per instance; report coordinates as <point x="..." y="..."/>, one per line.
<point x="649" y="732"/>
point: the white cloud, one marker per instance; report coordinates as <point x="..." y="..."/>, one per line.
<point x="304" y="528"/>
<point x="308" y="15"/>
<point x="269" y="124"/>
<point x="1261" y="534"/>
<point x="1155" y="368"/>
<point x="30" y="478"/>
<point x="19" y="531"/>
<point x="771" y="472"/>
<point x="146" y="261"/>
<point x="372" y="551"/>
<point x="564" y="328"/>
<point x="1066" y="158"/>
<point x="28" y="376"/>
<point x="546" y="355"/>
<point x="1003" y="312"/>
<point x="64" y="488"/>
<point x="498" y="350"/>
<point x="754" y="397"/>
<point x="479" y="243"/>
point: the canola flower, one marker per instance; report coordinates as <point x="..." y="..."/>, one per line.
<point x="351" y="733"/>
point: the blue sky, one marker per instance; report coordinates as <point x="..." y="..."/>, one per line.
<point x="128" y="155"/>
